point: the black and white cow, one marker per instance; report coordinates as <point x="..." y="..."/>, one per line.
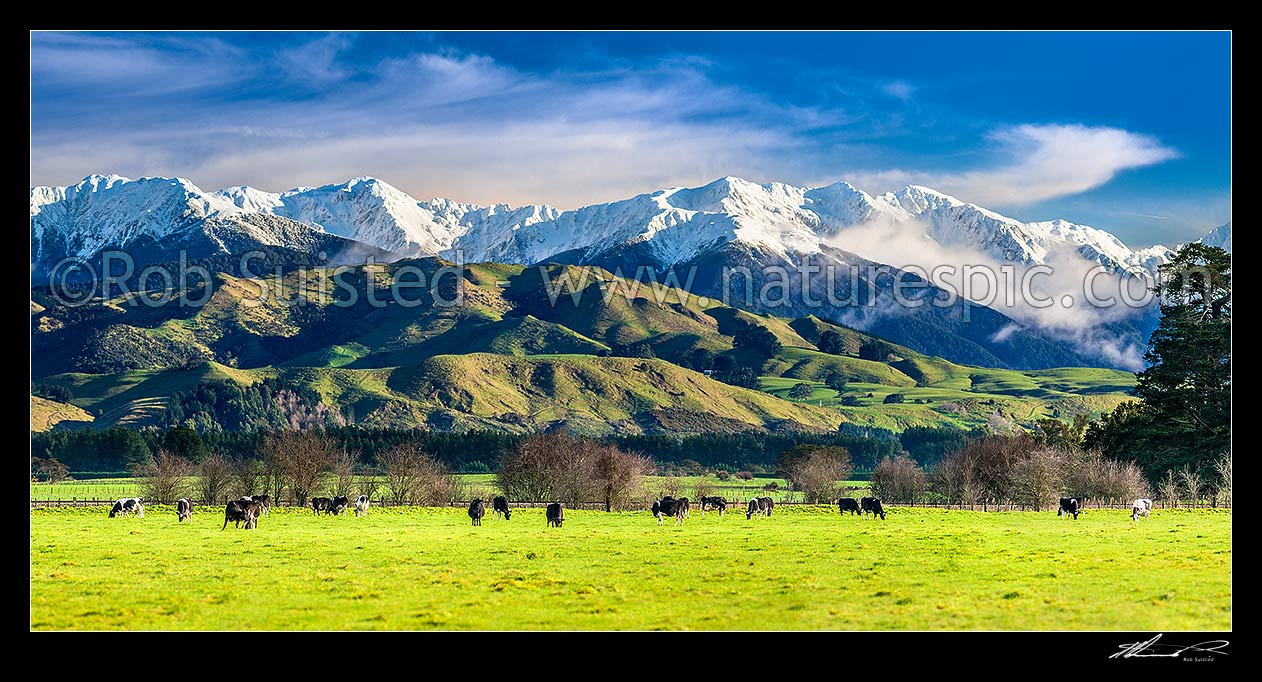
<point x="476" y="511"/>
<point x="184" y="508"/>
<point x="1141" y="507"/>
<point x="321" y="504"/>
<point x="555" y="514"/>
<point x="361" y="505"/>
<point x="760" y="506"/>
<point x="265" y="502"/>
<point x="669" y="506"/>
<point x="848" y="504"/>
<point x="871" y="505"/>
<point x="499" y="505"/>
<point x="713" y="503"/>
<point x="242" y="510"/>
<point x="1068" y="507"/>
<point x="338" y="505"/>
<point x="128" y="505"/>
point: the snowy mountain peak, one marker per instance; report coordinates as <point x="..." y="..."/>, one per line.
<point x="1219" y="236"/>
<point x="669" y="226"/>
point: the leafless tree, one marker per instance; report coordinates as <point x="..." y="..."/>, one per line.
<point x="953" y="478"/>
<point x="413" y="476"/>
<point x="1192" y="484"/>
<point x="552" y="467"/>
<point x="818" y="474"/>
<point x="618" y="475"/>
<point x="1223" y="468"/>
<point x="370" y="481"/>
<point x="703" y="488"/>
<point x="301" y="458"/>
<point x="1038" y="477"/>
<point x="344" y="472"/>
<point x="165" y="477"/>
<point x="669" y="486"/>
<point x="1169" y="489"/>
<point x="899" y="480"/>
<point x="248" y="476"/>
<point x="214" y="476"/>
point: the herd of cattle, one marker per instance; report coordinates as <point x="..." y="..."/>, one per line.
<point x="248" y="509"/>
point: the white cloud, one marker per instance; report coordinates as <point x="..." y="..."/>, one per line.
<point x="899" y="90"/>
<point x="1036" y="162"/>
<point x="1086" y="326"/>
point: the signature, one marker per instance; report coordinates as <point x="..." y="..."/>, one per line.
<point x="1152" y="649"/>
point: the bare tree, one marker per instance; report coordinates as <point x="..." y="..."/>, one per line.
<point x="165" y="477"/>
<point x="670" y="486"/>
<point x="618" y="475"/>
<point x="1192" y="484"/>
<point x="1038" y="478"/>
<point x="403" y="466"/>
<point x="1169" y="489"/>
<point x="301" y="458"/>
<point x="819" y="473"/>
<point x="214" y="476"/>
<point x="1223" y="468"/>
<point x="953" y="478"/>
<point x="899" y="480"/>
<point x="412" y="476"/>
<point x="703" y="488"/>
<point x="370" y="481"/>
<point x="344" y="472"/>
<point x="551" y="467"/>
<point x="248" y="476"/>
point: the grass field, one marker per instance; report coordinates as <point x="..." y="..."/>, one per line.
<point x="803" y="568"/>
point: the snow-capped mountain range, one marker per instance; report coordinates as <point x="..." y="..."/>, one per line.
<point x="671" y="226"/>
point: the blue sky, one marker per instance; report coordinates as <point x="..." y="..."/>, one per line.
<point x="1125" y="131"/>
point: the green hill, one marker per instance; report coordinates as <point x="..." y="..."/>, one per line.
<point x="507" y="357"/>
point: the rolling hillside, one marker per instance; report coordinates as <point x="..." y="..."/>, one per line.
<point x="505" y="357"/>
<point x="45" y="414"/>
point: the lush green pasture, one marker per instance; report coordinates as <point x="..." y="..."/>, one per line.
<point x="803" y="568"/>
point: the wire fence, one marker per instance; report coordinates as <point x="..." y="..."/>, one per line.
<point x="731" y="502"/>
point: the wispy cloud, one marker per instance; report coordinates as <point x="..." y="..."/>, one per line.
<point x="899" y="90"/>
<point x="1037" y="162"/>
<point x="436" y="123"/>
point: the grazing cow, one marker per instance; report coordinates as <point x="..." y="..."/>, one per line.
<point x="361" y="505"/>
<point x="848" y="504"/>
<point x="555" y="514"/>
<point x="760" y="506"/>
<point x="669" y="506"/>
<point x="183" y="508"/>
<point x="873" y="505"/>
<point x="476" y="511"/>
<point x="1068" y="507"/>
<point x="1141" y="507"/>
<point x="265" y="502"/>
<point x="500" y="506"/>
<point x="128" y="505"/>
<point x="713" y="503"/>
<point x="338" y="505"/>
<point x="321" y="504"/>
<point x="242" y="510"/>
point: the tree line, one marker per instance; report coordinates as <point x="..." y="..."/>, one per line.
<point x="121" y="449"/>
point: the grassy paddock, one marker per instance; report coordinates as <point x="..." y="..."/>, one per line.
<point x="803" y="568"/>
